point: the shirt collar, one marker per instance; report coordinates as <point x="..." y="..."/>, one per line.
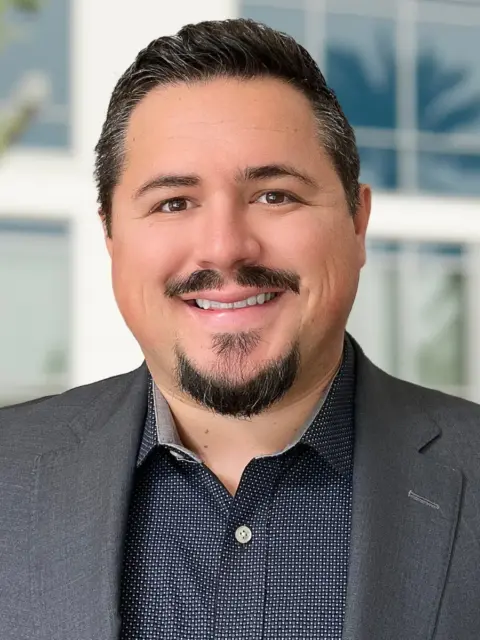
<point x="329" y="430"/>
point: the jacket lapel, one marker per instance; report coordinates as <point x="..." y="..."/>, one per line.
<point x="80" y="515"/>
<point x="405" y="511"/>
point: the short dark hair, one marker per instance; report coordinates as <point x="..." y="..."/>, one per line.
<point x="236" y="48"/>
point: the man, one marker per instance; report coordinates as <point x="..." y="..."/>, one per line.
<point x="257" y="476"/>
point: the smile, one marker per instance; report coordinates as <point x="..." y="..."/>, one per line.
<point x="250" y="313"/>
<point x="262" y="298"/>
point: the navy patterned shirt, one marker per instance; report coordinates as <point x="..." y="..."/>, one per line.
<point x="269" y="563"/>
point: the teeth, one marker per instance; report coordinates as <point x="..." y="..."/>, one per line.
<point x="248" y="302"/>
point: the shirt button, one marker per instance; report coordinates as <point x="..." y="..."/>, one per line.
<point x="243" y="534"/>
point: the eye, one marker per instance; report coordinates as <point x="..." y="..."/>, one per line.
<point x="173" y="205"/>
<point x="276" y="198"/>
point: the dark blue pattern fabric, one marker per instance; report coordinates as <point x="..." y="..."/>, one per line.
<point x="190" y="571"/>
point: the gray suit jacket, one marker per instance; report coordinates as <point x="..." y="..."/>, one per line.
<point x="66" y="468"/>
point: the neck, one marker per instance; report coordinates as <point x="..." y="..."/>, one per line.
<point x="226" y="445"/>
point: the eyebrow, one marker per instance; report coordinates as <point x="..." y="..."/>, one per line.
<point x="263" y="172"/>
<point x="249" y="174"/>
<point x="165" y="181"/>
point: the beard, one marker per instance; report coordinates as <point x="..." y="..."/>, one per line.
<point x="227" y="390"/>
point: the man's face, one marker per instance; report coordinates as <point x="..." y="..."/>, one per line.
<point x="227" y="193"/>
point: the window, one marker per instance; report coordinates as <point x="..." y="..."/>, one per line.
<point x="361" y="64"/>
<point x="411" y="316"/>
<point x="406" y="73"/>
<point x="35" y="309"/>
<point x="448" y="108"/>
<point x="35" y="67"/>
<point x="286" y="17"/>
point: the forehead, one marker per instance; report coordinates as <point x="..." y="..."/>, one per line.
<point x="227" y="120"/>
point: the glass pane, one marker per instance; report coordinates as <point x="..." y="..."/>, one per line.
<point x="455" y="2"/>
<point x="441" y="308"/>
<point x="374" y="317"/>
<point x="378" y="167"/>
<point x="35" y="310"/>
<point x="361" y="68"/>
<point x="34" y="67"/>
<point x="411" y="313"/>
<point x="288" y="20"/>
<point x="449" y="173"/>
<point x="49" y="134"/>
<point x="368" y="7"/>
<point x="448" y="78"/>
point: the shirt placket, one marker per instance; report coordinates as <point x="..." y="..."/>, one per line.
<point x="240" y="601"/>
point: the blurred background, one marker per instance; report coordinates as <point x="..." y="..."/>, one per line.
<point x="407" y="74"/>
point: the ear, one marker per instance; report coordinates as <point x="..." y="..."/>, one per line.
<point x="107" y="238"/>
<point x="362" y="218"/>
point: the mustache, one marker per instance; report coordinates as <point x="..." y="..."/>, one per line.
<point x="246" y="276"/>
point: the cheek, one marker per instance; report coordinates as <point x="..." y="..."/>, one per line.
<point x="141" y="256"/>
<point x="135" y="269"/>
<point x="143" y="259"/>
<point x="330" y="275"/>
<point x="316" y="249"/>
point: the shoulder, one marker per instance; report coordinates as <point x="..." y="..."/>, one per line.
<point x="414" y="412"/>
<point x="443" y="408"/>
<point x="32" y="427"/>
<point x="458" y="422"/>
<point x="393" y="391"/>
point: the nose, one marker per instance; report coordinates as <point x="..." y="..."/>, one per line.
<point x="225" y="238"/>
